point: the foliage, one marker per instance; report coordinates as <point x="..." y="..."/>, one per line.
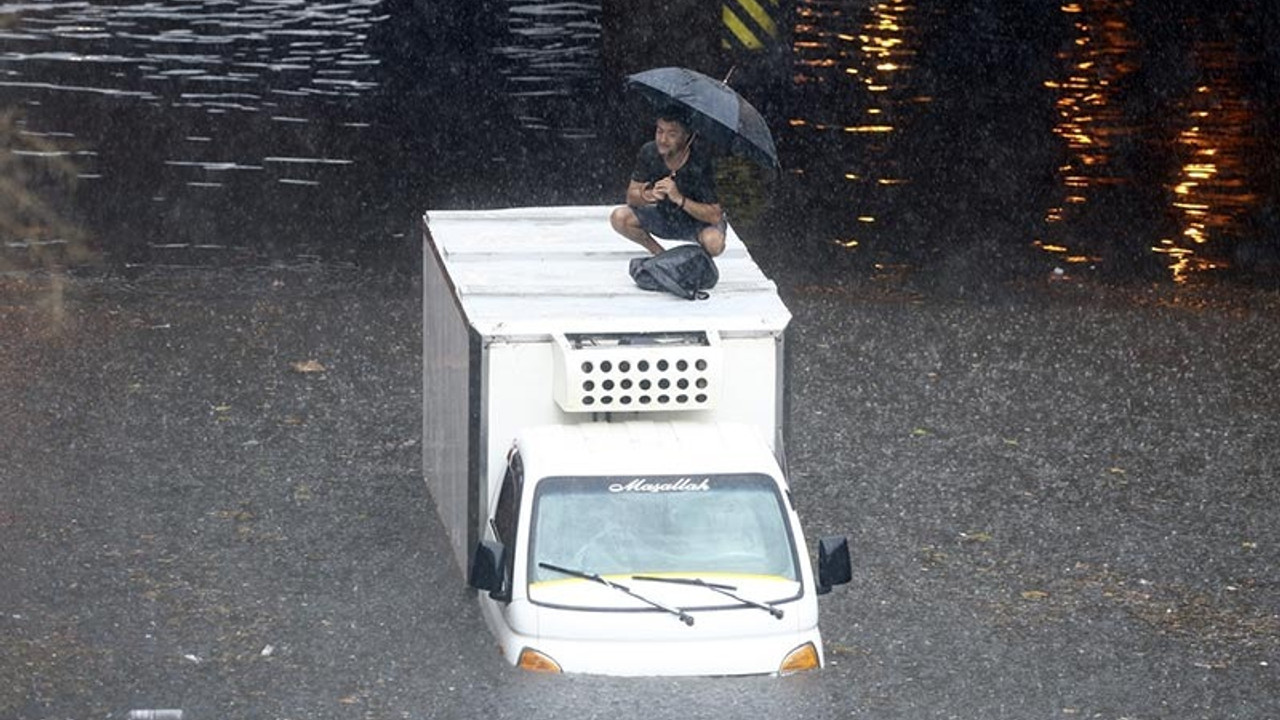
<point x="33" y="172"/>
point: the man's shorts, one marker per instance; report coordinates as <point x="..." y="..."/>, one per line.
<point x="673" y="226"/>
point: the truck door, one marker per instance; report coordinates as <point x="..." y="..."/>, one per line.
<point x="506" y="515"/>
<point x="493" y="563"/>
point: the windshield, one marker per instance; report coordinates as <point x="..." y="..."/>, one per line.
<point x="685" y="525"/>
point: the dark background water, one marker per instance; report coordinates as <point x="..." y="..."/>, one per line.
<point x="1117" y="137"/>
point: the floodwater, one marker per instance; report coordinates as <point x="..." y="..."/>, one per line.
<point x="1110" y="136"/>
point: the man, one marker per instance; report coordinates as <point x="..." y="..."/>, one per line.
<point x="672" y="193"/>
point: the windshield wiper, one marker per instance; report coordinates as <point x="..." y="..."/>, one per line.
<point x="685" y="617"/>
<point x="726" y="590"/>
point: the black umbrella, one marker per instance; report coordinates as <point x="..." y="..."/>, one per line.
<point x="716" y="111"/>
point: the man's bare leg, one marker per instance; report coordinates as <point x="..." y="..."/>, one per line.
<point x="625" y="222"/>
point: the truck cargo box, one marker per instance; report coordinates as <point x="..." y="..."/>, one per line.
<point x="530" y="318"/>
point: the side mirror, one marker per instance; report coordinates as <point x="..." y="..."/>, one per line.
<point x="488" y="570"/>
<point x="834" y="567"/>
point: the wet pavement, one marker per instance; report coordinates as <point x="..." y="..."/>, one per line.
<point x="1061" y="500"/>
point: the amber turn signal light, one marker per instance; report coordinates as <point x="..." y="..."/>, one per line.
<point x="802" y="658"/>
<point x="534" y="661"/>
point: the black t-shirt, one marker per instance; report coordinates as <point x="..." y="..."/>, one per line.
<point x="696" y="178"/>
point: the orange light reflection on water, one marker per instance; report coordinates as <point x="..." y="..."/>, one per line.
<point x="1213" y="190"/>
<point x="870" y="52"/>
<point x="859" y="61"/>
<point x="1089" y="119"/>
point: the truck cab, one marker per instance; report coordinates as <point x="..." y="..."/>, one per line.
<point x="650" y="548"/>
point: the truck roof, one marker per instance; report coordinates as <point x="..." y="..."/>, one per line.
<point x="644" y="447"/>
<point x="535" y="271"/>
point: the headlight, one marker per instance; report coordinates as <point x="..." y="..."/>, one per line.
<point x="535" y="661"/>
<point x="804" y="657"/>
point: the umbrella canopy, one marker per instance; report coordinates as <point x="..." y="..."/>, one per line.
<point x="716" y="111"/>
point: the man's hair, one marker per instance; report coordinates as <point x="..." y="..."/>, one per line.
<point x="675" y="113"/>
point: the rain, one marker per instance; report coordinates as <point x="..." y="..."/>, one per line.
<point x="1031" y="252"/>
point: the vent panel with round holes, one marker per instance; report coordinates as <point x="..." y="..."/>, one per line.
<point x="637" y="372"/>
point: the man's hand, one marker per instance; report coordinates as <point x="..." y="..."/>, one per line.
<point x="666" y="188"/>
<point x="639" y="193"/>
<point x="650" y="193"/>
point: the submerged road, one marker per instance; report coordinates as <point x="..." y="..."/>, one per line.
<point x="1061" y="500"/>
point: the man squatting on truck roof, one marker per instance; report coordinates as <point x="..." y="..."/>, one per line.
<point x="672" y="193"/>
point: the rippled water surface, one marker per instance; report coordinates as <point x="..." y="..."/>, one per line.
<point x="1091" y="136"/>
<point x="211" y="125"/>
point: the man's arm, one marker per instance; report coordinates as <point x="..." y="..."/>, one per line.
<point x="708" y="213"/>
<point x="639" y="193"/>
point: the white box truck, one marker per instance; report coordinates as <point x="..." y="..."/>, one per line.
<point x="608" y="462"/>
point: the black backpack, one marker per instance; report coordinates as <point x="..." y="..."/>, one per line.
<point x="686" y="271"/>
